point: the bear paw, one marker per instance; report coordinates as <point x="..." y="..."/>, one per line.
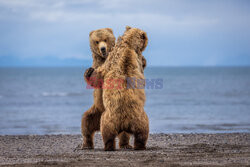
<point x="86" y="147"/>
<point x="128" y="146"/>
<point x="88" y="72"/>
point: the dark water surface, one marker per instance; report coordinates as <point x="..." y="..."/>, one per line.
<point x="192" y="100"/>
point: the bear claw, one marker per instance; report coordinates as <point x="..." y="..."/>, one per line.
<point x="89" y="72"/>
<point x="86" y="147"/>
<point x="126" y="147"/>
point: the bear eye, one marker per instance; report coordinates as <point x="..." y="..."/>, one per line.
<point x="105" y="40"/>
<point x="96" y="42"/>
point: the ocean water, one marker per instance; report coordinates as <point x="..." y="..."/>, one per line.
<point x="190" y="100"/>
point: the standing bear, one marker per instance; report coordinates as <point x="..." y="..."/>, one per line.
<point x="124" y="103"/>
<point x="101" y="43"/>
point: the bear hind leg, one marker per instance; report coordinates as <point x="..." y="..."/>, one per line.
<point x="108" y="131"/>
<point x="90" y="124"/>
<point x="109" y="140"/>
<point x="124" y="140"/>
<point x="140" y="140"/>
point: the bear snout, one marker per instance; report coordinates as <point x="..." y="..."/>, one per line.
<point x="103" y="50"/>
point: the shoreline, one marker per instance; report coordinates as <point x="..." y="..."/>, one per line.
<point x="222" y="149"/>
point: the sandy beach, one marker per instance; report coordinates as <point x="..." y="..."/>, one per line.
<point x="231" y="149"/>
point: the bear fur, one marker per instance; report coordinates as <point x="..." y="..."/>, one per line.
<point x="101" y="43"/>
<point x="124" y="107"/>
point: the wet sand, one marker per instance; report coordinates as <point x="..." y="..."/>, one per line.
<point x="162" y="150"/>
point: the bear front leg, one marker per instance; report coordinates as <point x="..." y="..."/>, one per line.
<point x="124" y="140"/>
<point x="90" y="124"/>
<point x="93" y="78"/>
<point x="88" y="73"/>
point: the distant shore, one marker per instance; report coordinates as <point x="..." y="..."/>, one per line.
<point x="232" y="149"/>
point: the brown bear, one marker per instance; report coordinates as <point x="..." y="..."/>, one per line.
<point x="101" y="43"/>
<point x="124" y="106"/>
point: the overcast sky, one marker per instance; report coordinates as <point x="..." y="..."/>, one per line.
<point x="181" y="33"/>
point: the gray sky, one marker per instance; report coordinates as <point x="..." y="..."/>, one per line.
<point x="181" y="33"/>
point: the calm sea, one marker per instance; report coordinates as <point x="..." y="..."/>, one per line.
<point x="191" y="100"/>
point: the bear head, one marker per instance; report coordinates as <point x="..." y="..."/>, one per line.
<point x="135" y="39"/>
<point x="102" y="41"/>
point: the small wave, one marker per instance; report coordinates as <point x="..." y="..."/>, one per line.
<point x="60" y="94"/>
<point x="46" y="94"/>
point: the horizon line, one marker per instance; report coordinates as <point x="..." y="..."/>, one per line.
<point x="150" y="66"/>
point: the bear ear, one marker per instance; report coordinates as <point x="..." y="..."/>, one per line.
<point x="145" y="40"/>
<point x="109" y="30"/>
<point x="91" y="33"/>
<point x="128" y="28"/>
<point x="144" y="36"/>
